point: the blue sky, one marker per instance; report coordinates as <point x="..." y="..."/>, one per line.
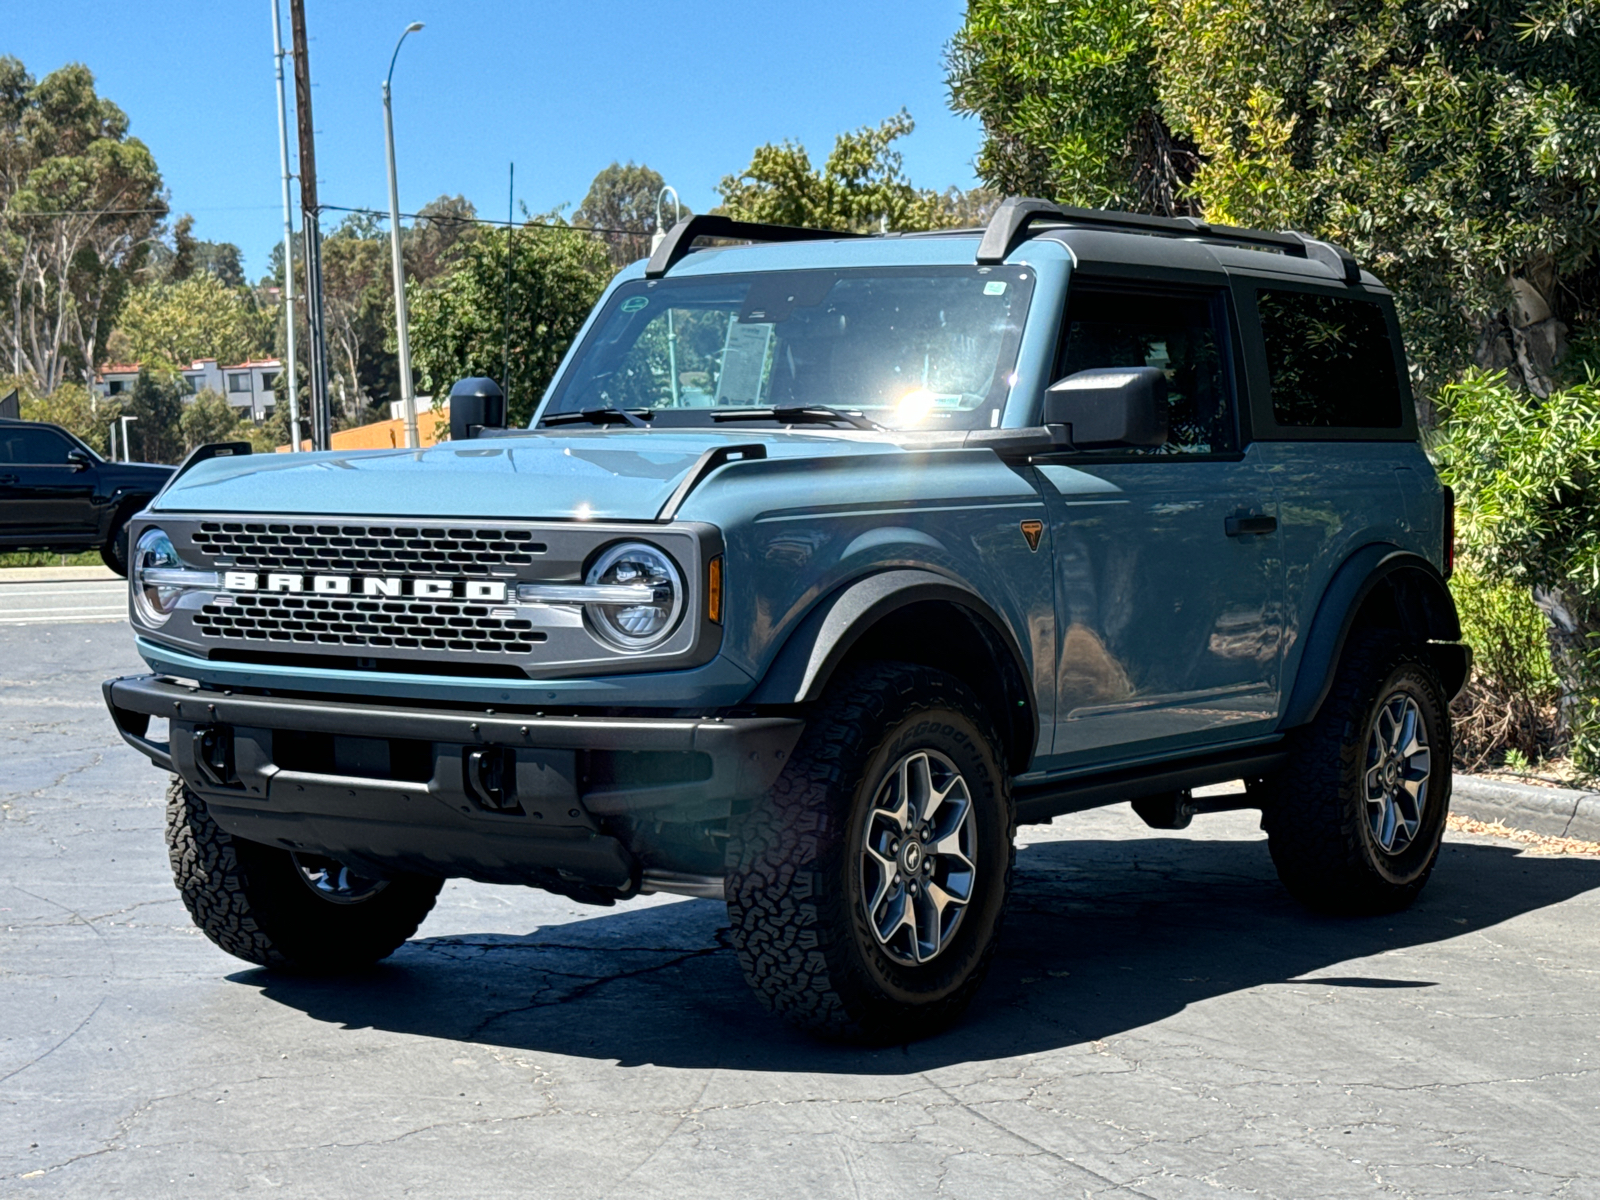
<point x="561" y="89"/>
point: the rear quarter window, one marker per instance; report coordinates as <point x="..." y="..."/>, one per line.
<point x="1330" y="361"/>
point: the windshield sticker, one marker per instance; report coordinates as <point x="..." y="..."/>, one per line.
<point x="634" y="303"/>
<point x="744" y="360"/>
<point x="995" y="287"/>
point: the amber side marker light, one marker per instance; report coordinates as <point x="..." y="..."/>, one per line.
<point x="714" y="589"/>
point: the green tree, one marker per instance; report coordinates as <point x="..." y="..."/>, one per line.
<point x="1455" y="149"/>
<point x="861" y="188"/>
<point x="436" y="241"/>
<point x="156" y="405"/>
<point x="457" y="325"/>
<point x="169" y="325"/>
<point x="190" y="254"/>
<point x="266" y="437"/>
<point x="80" y="204"/>
<point x="622" y="202"/>
<point x="210" y="418"/>
<point x="1067" y="93"/>
<point x="72" y="406"/>
<point x="358" y="311"/>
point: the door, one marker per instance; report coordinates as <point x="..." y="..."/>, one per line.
<point x="44" y="497"/>
<point x="1168" y="570"/>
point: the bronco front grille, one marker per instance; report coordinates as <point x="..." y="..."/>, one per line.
<point x="378" y="549"/>
<point x="368" y="622"/>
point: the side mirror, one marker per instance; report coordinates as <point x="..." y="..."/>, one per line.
<point x="477" y="406"/>
<point x="1110" y="406"/>
<point x="80" y="460"/>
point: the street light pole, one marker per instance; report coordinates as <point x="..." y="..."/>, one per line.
<point x="402" y="334"/>
<point x="288" y="232"/>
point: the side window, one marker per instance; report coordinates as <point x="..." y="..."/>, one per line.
<point x="37" y="447"/>
<point x="1182" y="335"/>
<point x="1330" y="360"/>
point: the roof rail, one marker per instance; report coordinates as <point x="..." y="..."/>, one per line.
<point x="1012" y="221"/>
<point x="680" y="238"/>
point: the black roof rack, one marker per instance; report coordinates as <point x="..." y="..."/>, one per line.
<point x="1012" y="221"/>
<point x="680" y="238"/>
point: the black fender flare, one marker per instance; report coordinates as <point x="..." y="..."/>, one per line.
<point x="826" y="635"/>
<point x="1427" y="615"/>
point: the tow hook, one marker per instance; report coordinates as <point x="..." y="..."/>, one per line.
<point x="213" y="754"/>
<point x="491" y="773"/>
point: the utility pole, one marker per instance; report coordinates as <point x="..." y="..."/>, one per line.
<point x="311" y="229"/>
<point x="408" y="397"/>
<point x="288" y="230"/>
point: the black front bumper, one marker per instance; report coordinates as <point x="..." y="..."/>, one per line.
<point x="553" y="801"/>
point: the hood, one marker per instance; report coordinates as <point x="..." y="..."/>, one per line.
<point x="613" y="474"/>
<point x="153" y="473"/>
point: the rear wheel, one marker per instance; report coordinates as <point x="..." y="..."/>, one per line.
<point x="281" y="909"/>
<point x="866" y="888"/>
<point x="1355" y="820"/>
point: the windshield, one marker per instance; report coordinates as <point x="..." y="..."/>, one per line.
<point x="922" y="347"/>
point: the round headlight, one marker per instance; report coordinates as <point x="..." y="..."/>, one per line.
<point x="154" y="602"/>
<point x="650" y="614"/>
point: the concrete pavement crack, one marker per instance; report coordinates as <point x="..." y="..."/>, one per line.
<point x="38" y="1058"/>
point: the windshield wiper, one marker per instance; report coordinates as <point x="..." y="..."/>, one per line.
<point x="810" y="414"/>
<point x="600" y="416"/>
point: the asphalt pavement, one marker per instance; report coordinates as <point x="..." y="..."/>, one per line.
<point x="1162" y="1021"/>
<point x="65" y="595"/>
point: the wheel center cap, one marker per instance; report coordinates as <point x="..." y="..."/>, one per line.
<point x="911" y="857"/>
<point x="1391" y="774"/>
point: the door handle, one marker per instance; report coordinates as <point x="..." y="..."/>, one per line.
<point x="1243" y="525"/>
<point x="8" y="478"/>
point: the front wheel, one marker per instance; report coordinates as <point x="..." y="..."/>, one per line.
<point x="866" y="888"/>
<point x="277" y="908"/>
<point x="1355" y="819"/>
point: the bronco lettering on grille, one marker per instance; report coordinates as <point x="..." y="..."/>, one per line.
<point x="491" y="591"/>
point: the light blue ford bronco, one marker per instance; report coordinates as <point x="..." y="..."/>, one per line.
<point x="824" y="562"/>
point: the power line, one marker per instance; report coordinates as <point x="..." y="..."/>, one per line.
<point x="442" y="218"/>
<point x="127" y="212"/>
<point x="87" y="212"/>
<point x="462" y="220"/>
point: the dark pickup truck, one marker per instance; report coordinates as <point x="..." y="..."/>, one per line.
<point x="56" y="494"/>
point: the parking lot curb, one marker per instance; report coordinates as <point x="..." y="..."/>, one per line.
<point x="1556" y="812"/>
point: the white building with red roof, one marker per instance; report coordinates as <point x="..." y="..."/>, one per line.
<point x="246" y="385"/>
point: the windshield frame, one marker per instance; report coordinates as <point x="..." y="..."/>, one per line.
<point x="1022" y="277"/>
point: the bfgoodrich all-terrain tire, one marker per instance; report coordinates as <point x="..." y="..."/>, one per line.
<point x="277" y="909"/>
<point x="1355" y="819"/>
<point x="866" y="888"/>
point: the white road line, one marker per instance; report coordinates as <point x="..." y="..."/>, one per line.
<point x="55" y="608"/>
<point x="61" y="620"/>
<point x="98" y="589"/>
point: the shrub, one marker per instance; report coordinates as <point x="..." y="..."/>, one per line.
<point x="1508" y="709"/>
<point x="1527" y="478"/>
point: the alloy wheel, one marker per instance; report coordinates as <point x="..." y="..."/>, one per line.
<point x="918" y="857"/>
<point x="1399" y="765"/>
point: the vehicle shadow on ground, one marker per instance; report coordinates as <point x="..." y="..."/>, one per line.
<point x="1102" y="937"/>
